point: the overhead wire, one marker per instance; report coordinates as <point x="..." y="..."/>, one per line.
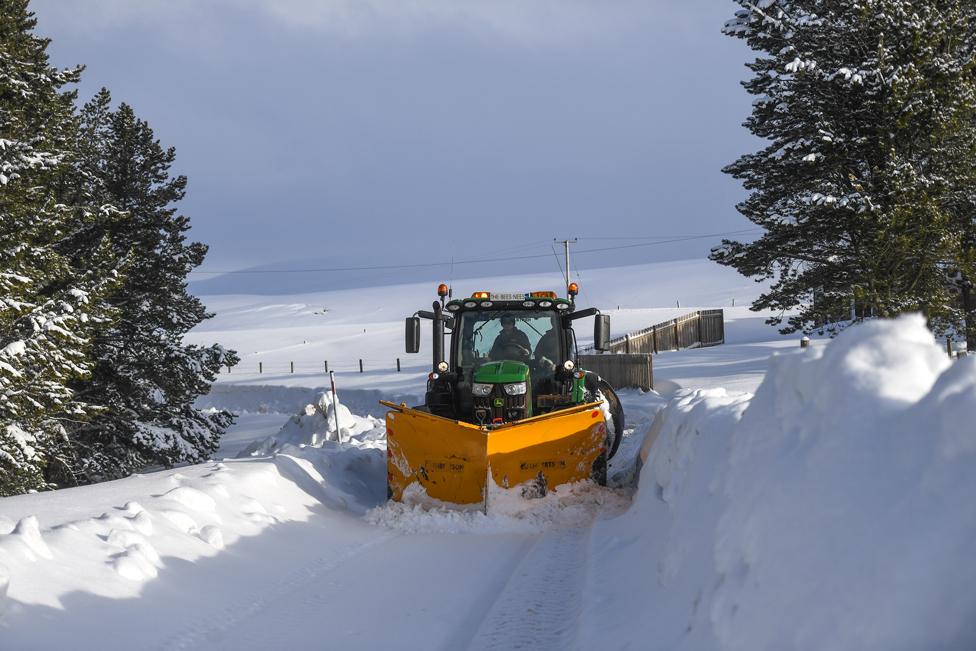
<point x="555" y="255"/>
<point x="661" y="237"/>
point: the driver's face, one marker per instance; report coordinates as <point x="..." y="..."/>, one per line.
<point x="508" y="325"/>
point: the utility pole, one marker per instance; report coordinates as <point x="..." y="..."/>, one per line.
<point x="566" y="244"/>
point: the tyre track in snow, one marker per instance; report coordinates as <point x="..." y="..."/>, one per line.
<point x="540" y="605"/>
<point x="211" y="627"/>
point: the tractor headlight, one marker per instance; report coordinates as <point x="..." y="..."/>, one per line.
<point x="569" y="365"/>
<point x="481" y="390"/>
<point x="515" y="389"/>
<point x="443" y="367"/>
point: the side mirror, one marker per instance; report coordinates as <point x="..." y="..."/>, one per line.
<point x="413" y="334"/>
<point x="601" y="332"/>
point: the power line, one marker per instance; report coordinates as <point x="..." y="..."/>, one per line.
<point x="663" y="237"/>
<point x="420" y="265"/>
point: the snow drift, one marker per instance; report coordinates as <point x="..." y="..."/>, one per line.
<point x="831" y="510"/>
<point x="317" y="423"/>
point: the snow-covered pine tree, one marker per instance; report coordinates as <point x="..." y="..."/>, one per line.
<point x="145" y="377"/>
<point x="857" y="99"/>
<point x="48" y="307"/>
<point x="961" y="174"/>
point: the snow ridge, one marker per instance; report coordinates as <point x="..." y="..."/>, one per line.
<point x="830" y="510"/>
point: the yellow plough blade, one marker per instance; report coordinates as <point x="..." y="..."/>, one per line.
<point x="436" y="459"/>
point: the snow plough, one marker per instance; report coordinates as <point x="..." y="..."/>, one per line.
<point x="507" y="404"/>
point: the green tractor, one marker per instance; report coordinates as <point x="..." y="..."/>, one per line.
<point x="507" y="392"/>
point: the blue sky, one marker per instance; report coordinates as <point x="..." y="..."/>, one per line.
<point x="331" y="133"/>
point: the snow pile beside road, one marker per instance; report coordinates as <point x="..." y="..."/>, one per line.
<point x="317" y="423"/>
<point x="134" y="524"/>
<point x="831" y="510"/>
<point x="109" y="539"/>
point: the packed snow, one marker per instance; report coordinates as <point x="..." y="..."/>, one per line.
<point x="765" y="497"/>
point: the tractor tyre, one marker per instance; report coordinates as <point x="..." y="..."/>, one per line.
<point x="597" y="388"/>
<point x="616" y="413"/>
<point x="599" y="472"/>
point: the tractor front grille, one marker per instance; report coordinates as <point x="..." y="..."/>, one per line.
<point x="499" y="405"/>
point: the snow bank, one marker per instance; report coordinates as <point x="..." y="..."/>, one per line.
<point x="135" y="527"/>
<point x="265" y="398"/>
<point x="317" y="423"/>
<point x="831" y="510"/>
<point x="114" y="550"/>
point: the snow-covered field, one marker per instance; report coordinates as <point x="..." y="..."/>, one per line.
<point x="818" y="499"/>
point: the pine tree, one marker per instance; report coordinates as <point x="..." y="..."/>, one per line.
<point x="48" y="306"/>
<point x="858" y="100"/>
<point x="146" y="379"/>
<point x="962" y="177"/>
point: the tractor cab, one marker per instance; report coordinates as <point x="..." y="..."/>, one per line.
<point x="510" y="356"/>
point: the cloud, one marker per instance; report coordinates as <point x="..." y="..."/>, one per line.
<point x="521" y="21"/>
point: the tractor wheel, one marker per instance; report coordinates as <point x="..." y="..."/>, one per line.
<point x="599" y="389"/>
<point x="616" y="414"/>
<point x="599" y="472"/>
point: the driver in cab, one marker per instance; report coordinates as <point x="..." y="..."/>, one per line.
<point x="511" y="343"/>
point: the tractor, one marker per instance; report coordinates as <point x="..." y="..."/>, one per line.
<point x="508" y="404"/>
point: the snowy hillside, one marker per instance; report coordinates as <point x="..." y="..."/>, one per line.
<point x="817" y="499"/>
<point x="344" y="326"/>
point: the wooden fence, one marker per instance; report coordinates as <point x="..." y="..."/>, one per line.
<point x="628" y="362"/>
<point x="695" y="330"/>
<point x="623" y="370"/>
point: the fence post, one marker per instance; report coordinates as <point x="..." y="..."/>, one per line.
<point x="360" y="366"/>
<point x="260" y="367"/>
<point x="398" y="364"/>
<point x="292" y="366"/>
<point x="627" y="343"/>
<point x="326" y="362"/>
<point x="677" y="341"/>
<point x="335" y="407"/>
<point x="701" y="341"/>
<point x="654" y="339"/>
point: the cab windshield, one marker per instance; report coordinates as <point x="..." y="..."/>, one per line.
<point x="483" y="338"/>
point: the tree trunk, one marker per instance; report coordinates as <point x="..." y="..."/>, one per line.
<point x="969" y="308"/>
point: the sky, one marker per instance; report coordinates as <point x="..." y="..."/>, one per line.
<point x="338" y="134"/>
